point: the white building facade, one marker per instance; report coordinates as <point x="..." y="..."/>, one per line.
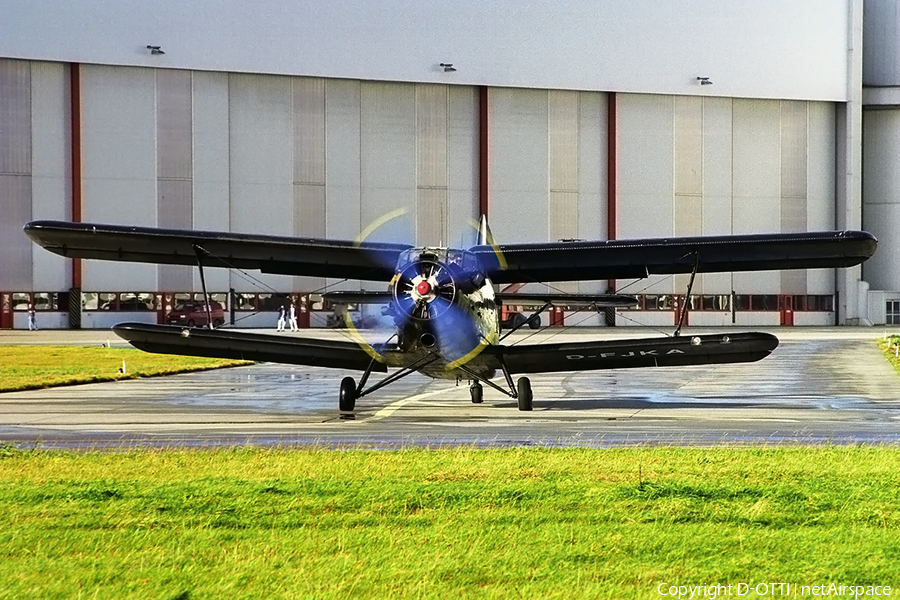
<point x="405" y="120"/>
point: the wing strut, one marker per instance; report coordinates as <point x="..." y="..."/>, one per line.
<point x="526" y="321"/>
<point x="687" y="295"/>
<point x="407" y="370"/>
<point x="509" y="380"/>
<point x="200" y="252"/>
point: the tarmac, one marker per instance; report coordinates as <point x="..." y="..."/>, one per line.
<point x="820" y="386"/>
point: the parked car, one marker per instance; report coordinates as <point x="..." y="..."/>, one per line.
<point x="193" y="314"/>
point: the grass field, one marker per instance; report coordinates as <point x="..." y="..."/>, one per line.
<point x="31" y="367"/>
<point x="888" y="347"/>
<point x="520" y="523"/>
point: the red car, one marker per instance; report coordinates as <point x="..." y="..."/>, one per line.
<point x="193" y="314"/>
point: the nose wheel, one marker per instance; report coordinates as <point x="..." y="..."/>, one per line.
<point x="477" y="392"/>
<point x="347" y="401"/>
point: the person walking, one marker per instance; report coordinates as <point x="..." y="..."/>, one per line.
<point x="32" y="323"/>
<point x="292" y="318"/>
<point x="281" y="315"/>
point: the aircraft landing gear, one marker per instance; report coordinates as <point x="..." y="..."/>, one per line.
<point x="524" y="390"/>
<point x="477" y="392"/>
<point x="347" y="401"/>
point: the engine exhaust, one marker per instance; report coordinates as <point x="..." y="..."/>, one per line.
<point x="428" y="340"/>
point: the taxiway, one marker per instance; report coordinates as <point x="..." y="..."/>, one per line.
<point x="828" y="385"/>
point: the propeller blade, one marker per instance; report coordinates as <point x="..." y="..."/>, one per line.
<point x="457" y="334"/>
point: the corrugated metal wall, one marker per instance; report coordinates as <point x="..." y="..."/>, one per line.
<point x="707" y="166"/>
<point x="15" y="174"/>
<point x="881" y="196"/>
<point x="329" y="158"/>
<point x="548" y="157"/>
<point x="35" y="177"/>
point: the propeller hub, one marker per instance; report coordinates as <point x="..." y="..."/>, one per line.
<point x="423" y="288"/>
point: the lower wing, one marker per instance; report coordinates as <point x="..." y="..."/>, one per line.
<point x="224" y="343"/>
<point x="621" y="354"/>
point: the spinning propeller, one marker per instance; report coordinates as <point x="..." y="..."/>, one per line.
<point x="435" y="297"/>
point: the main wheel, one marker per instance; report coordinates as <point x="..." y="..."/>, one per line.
<point x="347" y="400"/>
<point x="477" y="392"/>
<point x="524" y="390"/>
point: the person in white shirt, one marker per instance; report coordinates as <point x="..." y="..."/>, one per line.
<point x="293" y="317"/>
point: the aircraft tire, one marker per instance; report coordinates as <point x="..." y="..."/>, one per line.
<point x="525" y="396"/>
<point x="347" y="400"/>
<point x="477" y="392"/>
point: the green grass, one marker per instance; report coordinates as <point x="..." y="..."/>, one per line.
<point x="32" y="367"/>
<point x="888" y="348"/>
<point x="521" y="523"/>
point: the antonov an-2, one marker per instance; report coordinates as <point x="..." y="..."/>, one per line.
<point x="445" y="308"/>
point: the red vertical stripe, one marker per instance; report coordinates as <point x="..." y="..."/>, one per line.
<point x="75" y="116"/>
<point x="482" y="151"/>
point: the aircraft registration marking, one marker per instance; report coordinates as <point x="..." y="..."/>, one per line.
<point x="622" y="354"/>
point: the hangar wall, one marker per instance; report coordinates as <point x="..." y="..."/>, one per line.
<point x="332" y="142"/>
<point x="332" y="158"/>
<point x="280" y="155"/>
<point x="794" y="49"/>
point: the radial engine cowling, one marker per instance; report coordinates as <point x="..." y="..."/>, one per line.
<point x="424" y="290"/>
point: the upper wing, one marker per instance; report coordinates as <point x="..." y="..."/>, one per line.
<point x="227" y="343"/>
<point x="267" y="253"/>
<point x="630" y="259"/>
<point x="621" y="354"/>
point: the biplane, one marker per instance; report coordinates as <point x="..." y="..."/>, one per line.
<point x="444" y="306"/>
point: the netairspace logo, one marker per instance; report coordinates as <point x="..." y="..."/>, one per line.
<point x="772" y="590"/>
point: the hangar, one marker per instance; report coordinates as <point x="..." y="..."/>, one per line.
<point x="570" y="119"/>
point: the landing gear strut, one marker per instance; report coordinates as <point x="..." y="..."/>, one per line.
<point x="477" y="392"/>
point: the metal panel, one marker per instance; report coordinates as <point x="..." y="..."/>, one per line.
<point x="173" y="124"/>
<point x="881" y="195"/>
<point x="430" y="216"/>
<point x="388" y="158"/>
<point x="342" y="127"/>
<point x="462" y="165"/>
<point x="562" y="131"/>
<point x="645" y="178"/>
<point x="309" y="221"/>
<point x="518" y="164"/>
<point x="562" y="161"/>
<point x="118" y="116"/>
<point x="794" y="141"/>
<point x="757" y="166"/>
<point x="174" y="166"/>
<point x="592" y="165"/>
<point x="432" y="155"/>
<point x="794" y="153"/>
<point x="209" y="196"/>
<point x="432" y="124"/>
<point x="261" y="144"/>
<point x="688" y="146"/>
<point x="51" y="184"/>
<point x="820" y="203"/>
<point x="309" y="130"/>
<point x="15" y="249"/>
<point x="174" y="206"/>
<point x="15" y="117"/>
